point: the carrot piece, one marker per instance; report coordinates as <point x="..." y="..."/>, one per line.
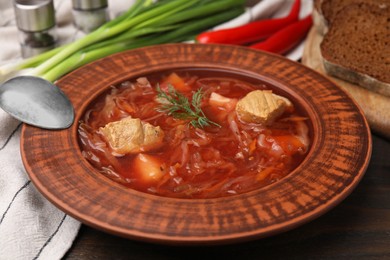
<point x="264" y="173"/>
<point x="252" y="146"/>
<point x="177" y="82"/>
<point x="289" y="143"/>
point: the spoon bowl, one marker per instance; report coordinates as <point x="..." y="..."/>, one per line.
<point x="36" y="102"/>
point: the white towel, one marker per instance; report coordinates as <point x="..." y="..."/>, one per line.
<point x="30" y="226"/>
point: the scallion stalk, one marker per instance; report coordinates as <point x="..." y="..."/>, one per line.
<point x="105" y="32"/>
<point x="202" y="11"/>
<point x="145" y="23"/>
<point x="182" y="33"/>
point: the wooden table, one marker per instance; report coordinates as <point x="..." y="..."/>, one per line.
<point x="357" y="228"/>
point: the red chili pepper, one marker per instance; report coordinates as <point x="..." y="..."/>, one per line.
<point x="251" y="32"/>
<point x="287" y="38"/>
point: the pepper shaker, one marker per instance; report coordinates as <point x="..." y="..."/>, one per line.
<point x="36" y="22"/>
<point x="89" y="14"/>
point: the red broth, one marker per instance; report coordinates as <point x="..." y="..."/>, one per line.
<point x="209" y="162"/>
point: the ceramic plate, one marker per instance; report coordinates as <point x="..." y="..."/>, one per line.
<point x="338" y="157"/>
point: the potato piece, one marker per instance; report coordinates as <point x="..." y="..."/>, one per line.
<point x="261" y="107"/>
<point x="226" y="103"/>
<point x="131" y="135"/>
<point x="148" y="168"/>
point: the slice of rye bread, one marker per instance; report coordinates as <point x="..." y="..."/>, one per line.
<point x="357" y="47"/>
<point x="325" y="10"/>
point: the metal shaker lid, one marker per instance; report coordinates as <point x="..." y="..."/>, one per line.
<point x="34" y="15"/>
<point x="89" y="4"/>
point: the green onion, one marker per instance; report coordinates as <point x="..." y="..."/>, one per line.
<point x="202" y="10"/>
<point x="104" y="32"/>
<point x="144" y="24"/>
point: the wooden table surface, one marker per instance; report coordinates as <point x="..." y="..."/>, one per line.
<point x="358" y="228"/>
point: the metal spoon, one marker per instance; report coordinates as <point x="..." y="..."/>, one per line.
<point x="37" y="102"/>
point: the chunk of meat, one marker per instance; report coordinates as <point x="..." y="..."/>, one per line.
<point x="262" y="107"/>
<point x="131" y="135"/>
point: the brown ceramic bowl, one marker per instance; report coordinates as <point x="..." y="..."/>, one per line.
<point x="339" y="154"/>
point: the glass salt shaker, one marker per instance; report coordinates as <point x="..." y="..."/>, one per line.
<point x="89" y="14"/>
<point x="36" y="22"/>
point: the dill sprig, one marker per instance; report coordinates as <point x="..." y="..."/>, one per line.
<point x="175" y="104"/>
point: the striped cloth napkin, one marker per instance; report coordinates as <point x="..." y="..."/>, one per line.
<point x="30" y="226"/>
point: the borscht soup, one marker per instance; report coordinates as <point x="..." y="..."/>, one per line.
<point x="194" y="134"/>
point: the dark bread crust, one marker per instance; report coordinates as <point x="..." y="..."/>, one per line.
<point x="357" y="46"/>
<point x="325" y="11"/>
<point x="330" y="8"/>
